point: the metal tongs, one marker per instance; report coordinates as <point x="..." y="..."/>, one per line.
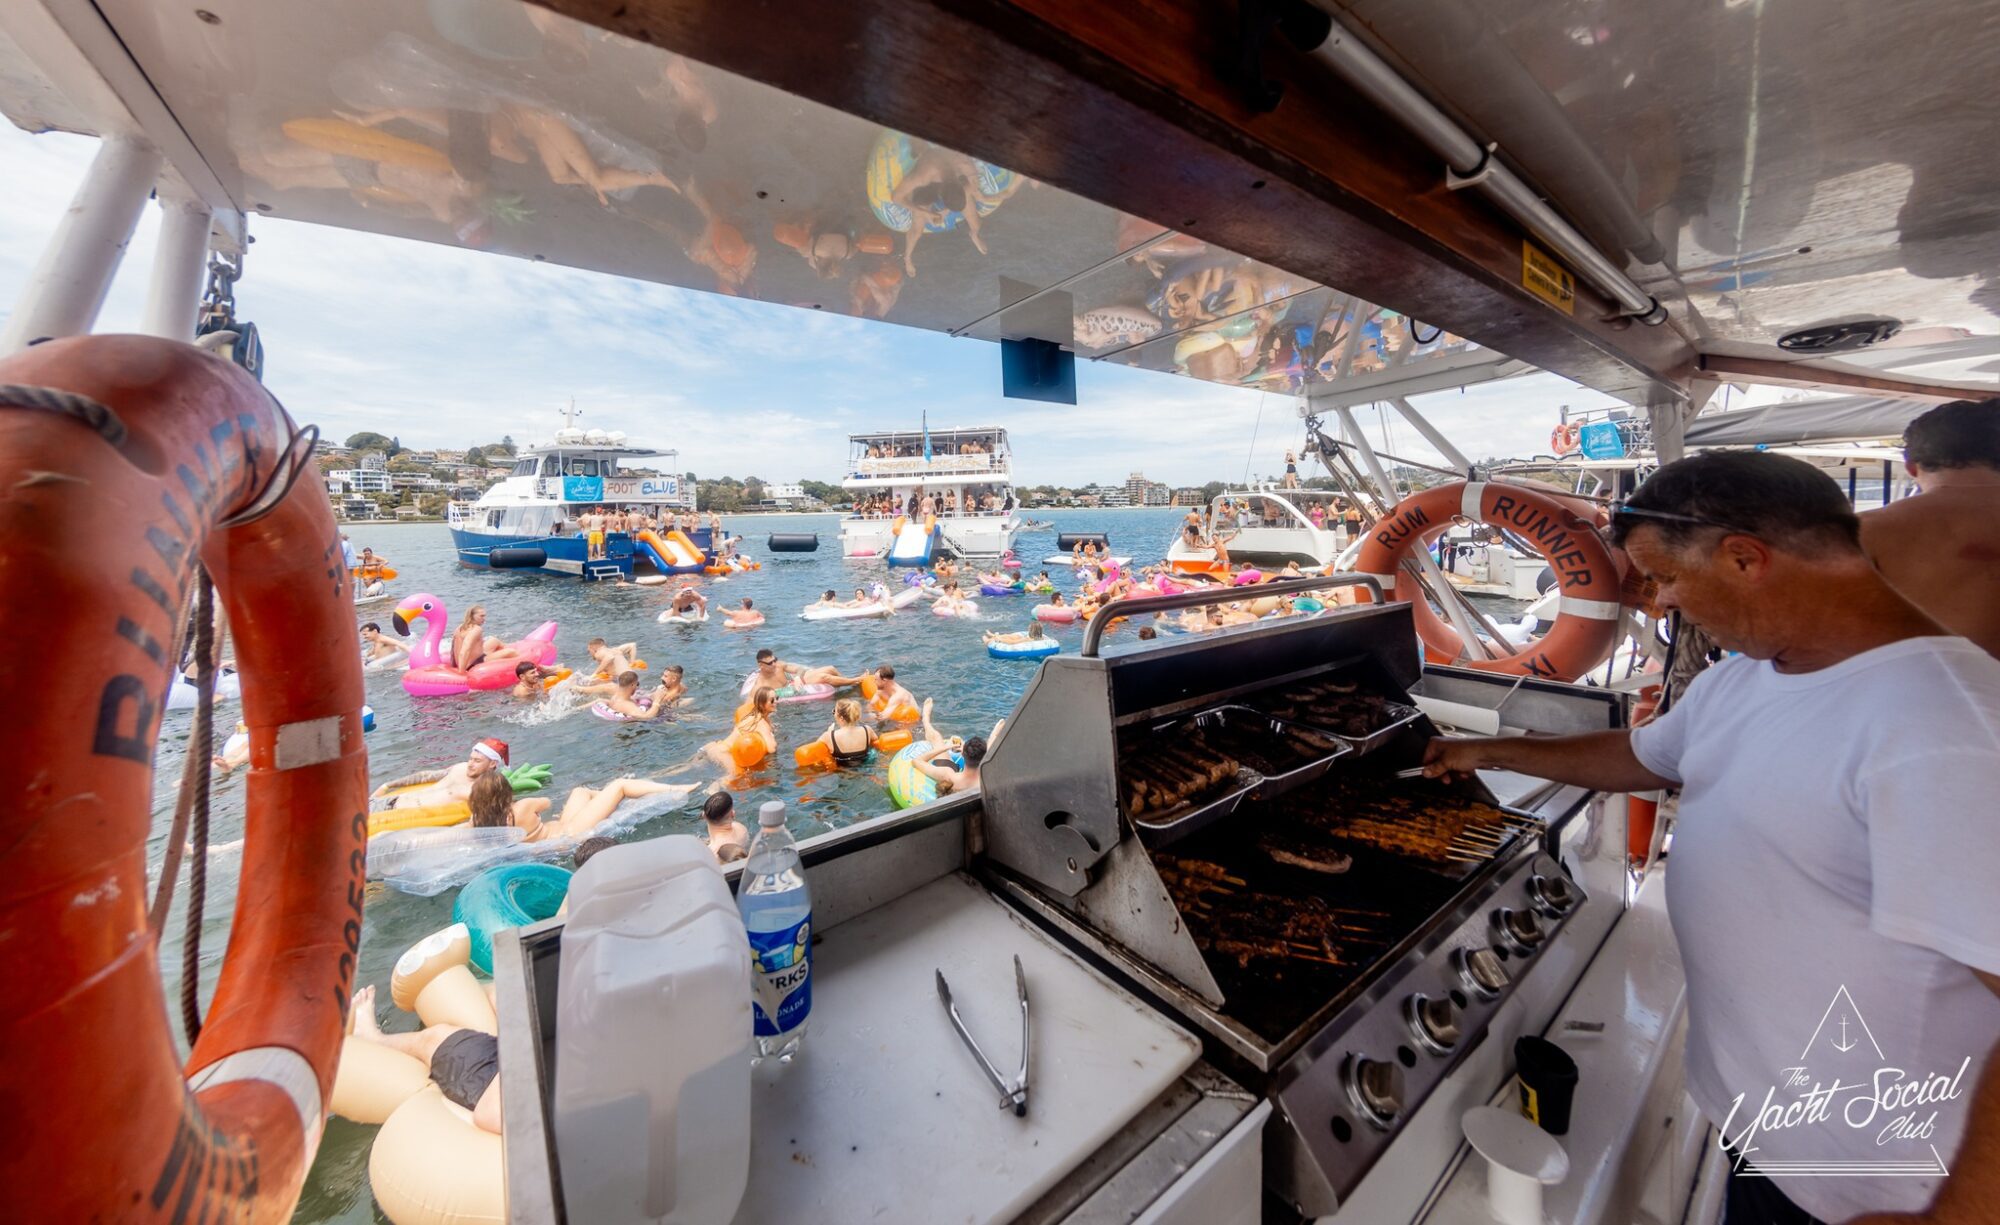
<point x="1014" y="1093"/>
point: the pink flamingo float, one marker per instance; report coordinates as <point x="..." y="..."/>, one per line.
<point x="430" y="676"/>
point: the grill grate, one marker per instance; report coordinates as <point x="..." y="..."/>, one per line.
<point x="1284" y="939"/>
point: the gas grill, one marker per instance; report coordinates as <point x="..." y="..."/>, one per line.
<point x="1216" y="821"/>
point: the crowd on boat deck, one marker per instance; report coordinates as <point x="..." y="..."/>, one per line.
<point x="976" y="500"/>
<point x="614" y="519"/>
<point x="915" y="450"/>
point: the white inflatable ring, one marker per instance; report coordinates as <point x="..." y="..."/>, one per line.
<point x="425" y="960"/>
<point x="431" y="1166"/>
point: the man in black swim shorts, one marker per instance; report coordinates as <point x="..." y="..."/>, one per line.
<point x="465" y="1063"/>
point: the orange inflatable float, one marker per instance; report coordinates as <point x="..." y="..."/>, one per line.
<point x="162" y="456"/>
<point x="1586" y="627"/>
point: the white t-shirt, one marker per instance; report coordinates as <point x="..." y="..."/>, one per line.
<point x="1839" y="829"/>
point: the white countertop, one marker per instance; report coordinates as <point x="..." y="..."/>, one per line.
<point x="885" y="1116"/>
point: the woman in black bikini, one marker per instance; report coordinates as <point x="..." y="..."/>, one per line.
<point x="848" y="738"/>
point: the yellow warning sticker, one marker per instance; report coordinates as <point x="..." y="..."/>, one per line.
<point x="1546" y="279"/>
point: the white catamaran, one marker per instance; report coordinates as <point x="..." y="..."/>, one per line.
<point x="920" y="493"/>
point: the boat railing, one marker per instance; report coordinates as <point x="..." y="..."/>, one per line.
<point x="458" y="513"/>
<point x="984" y="464"/>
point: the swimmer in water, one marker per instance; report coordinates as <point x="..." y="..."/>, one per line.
<point x="889" y="695"/>
<point x="528" y="680"/>
<point x="687" y="599"/>
<point x="953" y="780"/>
<point x="847" y="737"/>
<point x="612" y="660"/>
<point x="494" y="806"/>
<point x="724" y="833"/>
<point x="755" y="724"/>
<point x="743" y="617"/>
<point x="1032" y="634"/>
<point x="374" y="646"/>
<point x="487" y="756"/>
<point x="829" y="600"/>
<point x="626" y="700"/>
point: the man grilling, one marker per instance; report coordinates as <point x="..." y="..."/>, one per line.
<point x="1839" y="829"/>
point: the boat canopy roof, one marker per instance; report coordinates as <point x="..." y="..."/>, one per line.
<point x="1305" y="252"/>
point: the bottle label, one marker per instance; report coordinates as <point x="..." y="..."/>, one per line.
<point x="782" y="977"/>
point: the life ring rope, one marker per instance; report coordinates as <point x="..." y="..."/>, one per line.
<point x="165" y="460"/>
<point x="1588" y="607"/>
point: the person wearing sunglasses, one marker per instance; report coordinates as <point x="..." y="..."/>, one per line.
<point x="1838" y="831"/>
<point x="1941" y="548"/>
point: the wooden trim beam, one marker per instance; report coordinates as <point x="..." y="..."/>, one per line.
<point x="1122" y="104"/>
<point x="1840" y="380"/>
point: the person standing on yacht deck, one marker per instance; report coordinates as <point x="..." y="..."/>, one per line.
<point x="1836" y="842"/>
<point x="1941" y="549"/>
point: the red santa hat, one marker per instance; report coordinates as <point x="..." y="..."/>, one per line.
<point x="494" y="749"/>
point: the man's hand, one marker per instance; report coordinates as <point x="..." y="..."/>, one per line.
<point x="1448" y="758"/>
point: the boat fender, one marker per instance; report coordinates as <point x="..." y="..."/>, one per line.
<point x="792" y="542"/>
<point x="516" y="557"/>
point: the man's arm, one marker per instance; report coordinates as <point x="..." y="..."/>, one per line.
<point x="1971" y="1195"/>
<point x="1602" y="761"/>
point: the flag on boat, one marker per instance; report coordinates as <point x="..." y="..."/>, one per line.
<point x="927" y="436"/>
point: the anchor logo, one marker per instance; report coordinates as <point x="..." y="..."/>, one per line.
<point x="1843" y="1004"/>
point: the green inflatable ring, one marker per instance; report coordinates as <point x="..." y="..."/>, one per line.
<point x="511" y="895"/>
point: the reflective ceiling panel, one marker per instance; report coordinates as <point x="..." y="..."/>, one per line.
<point x="1777" y="163"/>
<point x="493" y="125"/>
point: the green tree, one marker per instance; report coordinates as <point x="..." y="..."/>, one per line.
<point x="820" y="490"/>
<point x="476" y="456"/>
<point x="507" y="443"/>
<point x="368" y="440"/>
<point x="1212" y="490"/>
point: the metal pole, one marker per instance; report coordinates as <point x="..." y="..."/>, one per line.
<point x="1888" y="481"/>
<point x="1471" y="166"/>
<point x="65" y="291"/>
<point x="1426" y="564"/>
<point x="173" y="298"/>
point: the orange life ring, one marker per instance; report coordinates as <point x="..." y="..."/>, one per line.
<point x="147" y="448"/>
<point x="1586" y="627"/>
<point x="1566" y="438"/>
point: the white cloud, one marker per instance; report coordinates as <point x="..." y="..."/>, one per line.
<point x="446" y="347"/>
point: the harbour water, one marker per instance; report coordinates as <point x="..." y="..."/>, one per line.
<point x="935" y="657"/>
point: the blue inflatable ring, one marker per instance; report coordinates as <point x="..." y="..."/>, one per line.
<point x="996" y="589"/>
<point x="1024" y="650"/>
<point x="512" y="895"/>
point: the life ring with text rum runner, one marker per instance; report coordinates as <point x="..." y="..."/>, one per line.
<point x="1588" y="612"/>
<point x="126" y="460"/>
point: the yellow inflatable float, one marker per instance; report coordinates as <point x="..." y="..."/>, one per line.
<point x="430" y="1164"/>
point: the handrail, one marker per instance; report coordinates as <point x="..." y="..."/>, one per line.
<point x="1094" y="632"/>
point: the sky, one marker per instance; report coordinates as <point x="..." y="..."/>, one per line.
<point x="442" y="347"/>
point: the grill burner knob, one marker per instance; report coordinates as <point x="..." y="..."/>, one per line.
<point x="1552" y="894"/>
<point x="1519" y="928"/>
<point x="1481" y="970"/>
<point x="1376" y="1087"/>
<point x="1434" y="1021"/>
